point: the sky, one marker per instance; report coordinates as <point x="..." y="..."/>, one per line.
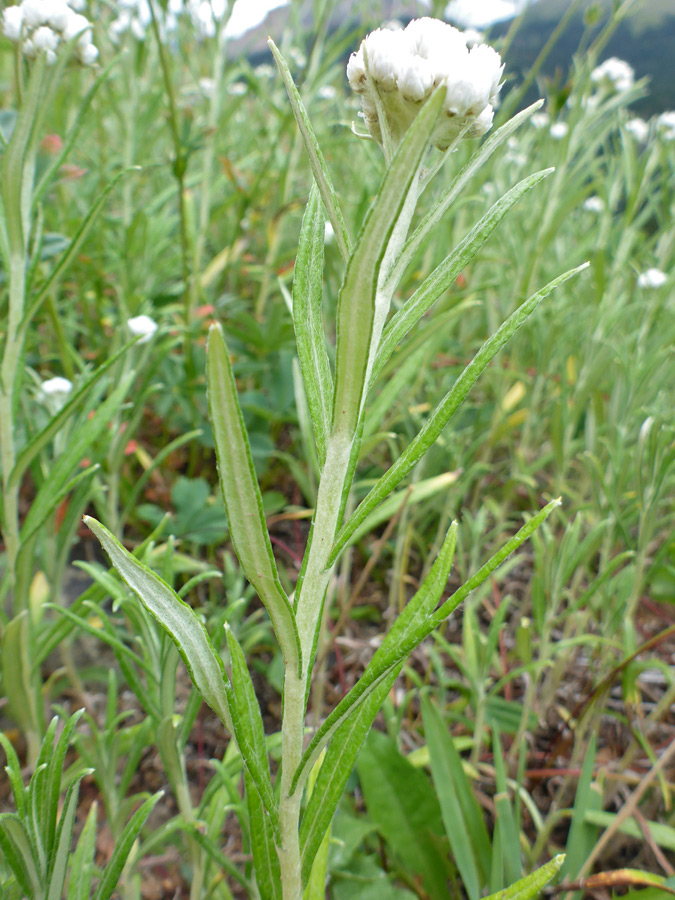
<point x="465" y="13"/>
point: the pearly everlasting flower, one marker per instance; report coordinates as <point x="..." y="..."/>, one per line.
<point x="559" y="130"/>
<point x="142" y="326"/>
<point x="614" y="74"/>
<point x="639" y="129"/>
<point x="42" y="26"/>
<point x="652" y="278"/>
<point x="237" y="89"/>
<point x="56" y="387"/>
<point x="327" y="92"/>
<point x="665" y="125"/>
<point x="594" y="204"/>
<point x="400" y="69"/>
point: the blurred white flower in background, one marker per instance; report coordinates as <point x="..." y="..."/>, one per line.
<point x="615" y="74"/>
<point x="42" y="26"/>
<point x="540" y="120"/>
<point x="327" y="92"/>
<point x="142" y="326"/>
<point x="482" y="13"/>
<point x="54" y="392"/>
<point x="594" y="204"/>
<point x="559" y="130"/>
<point x="652" y="278"/>
<point x="639" y="129"/>
<point x="665" y="125"/>
<point x="405" y="66"/>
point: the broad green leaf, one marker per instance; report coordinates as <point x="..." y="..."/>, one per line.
<point x="445" y="274"/>
<point x="530" y="886"/>
<point x="82" y="866"/>
<point x="356" y="301"/>
<point x="398" y="643"/>
<point x="253" y="748"/>
<point x="308" y="324"/>
<point x="263" y="849"/>
<point x="474" y="165"/>
<point x="242" y="498"/>
<point x="178" y="619"/>
<point x="346" y="742"/>
<point x="124" y="843"/>
<point x="462" y="816"/>
<point x="402" y="803"/>
<point x="316" y="158"/>
<point x="58" y="863"/>
<point x="31" y="450"/>
<point x="444" y="411"/>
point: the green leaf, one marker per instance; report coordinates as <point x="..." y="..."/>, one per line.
<point x="445" y="274"/>
<point x="356" y="301"/>
<point x="316" y="884"/>
<point x="242" y="498"/>
<point x="251" y="731"/>
<point x="528" y="887"/>
<point x="475" y="164"/>
<point x="58" y="863"/>
<point x="123" y="845"/>
<point x="308" y="324"/>
<point x="178" y="619"/>
<point x="346" y="742"/>
<point x="506" y="853"/>
<point x="401" y="801"/>
<point x="444" y="412"/>
<point x="263" y="849"/>
<point x="582" y="835"/>
<point x="13" y="770"/>
<point x="18" y="676"/>
<point x="462" y="816"/>
<point x="399" y="642"/>
<point x="16" y="848"/>
<point x="316" y="158"/>
<point x="55" y="763"/>
<point x="82" y="866"/>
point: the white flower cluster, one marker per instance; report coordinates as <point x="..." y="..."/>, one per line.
<point x="665" y="125"/>
<point x="41" y="26"/>
<point x="652" y="278"/>
<point x="639" y="129"/>
<point x="614" y="74"/>
<point x="143" y="327"/>
<point x="135" y="16"/>
<point x="405" y="66"/>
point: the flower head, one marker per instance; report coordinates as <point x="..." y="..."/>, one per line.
<point x="42" y="26"/>
<point x="665" y="125"/>
<point x="652" y="278"/>
<point x="142" y="326"/>
<point x="614" y="74"/>
<point x="594" y="204"/>
<point x="639" y="129"/>
<point x="395" y="71"/>
<point x="56" y="387"/>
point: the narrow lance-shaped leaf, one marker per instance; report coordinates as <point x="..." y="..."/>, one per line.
<point x="474" y="165"/>
<point x="177" y="618"/>
<point x="445" y="274"/>
<point x="316" y="158"/>
<point x="444" y="411"/>
<point x="418" y="609"/>
<point x="242" y="498"/>
<point x="307" y="321"/>
<point x="263" y="849"/>
<point x="356" y="302"/>
<point x="82" y="867"/>
<point x="251" y="731"/>
<point x="359" y="708"/>
<point x="64" y="837"/>
<point x="530" y="886"/>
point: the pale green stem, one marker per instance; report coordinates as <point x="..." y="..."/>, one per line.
<point x="317" y="576"/>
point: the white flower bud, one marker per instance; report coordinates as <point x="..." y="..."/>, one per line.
<point x="88" y="54"/>
<point x="652" y="278"/>
<point x="12" y="20"/>
<point x="35" y="13"/>
<point x="416" y="81"/>
<point x="45" y="39"/>
<point x="665" y="125"/>
<point x="59" y="15"/>
<point x="143" y="326"/>
<point x="615" y="74"/>
<point x="639" y="129"/>
<point x="56" y="387"/>
<point x="77" y="25"/>
<point x="356" y="72"/>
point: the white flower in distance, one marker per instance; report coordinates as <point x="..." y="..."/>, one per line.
<point x="56" y="387"/>
<point x="652" y="278"/>
<point x="594" y="204"/>
<point x="639" y="129"/>
<point x="42" y="26"/>
<point x="400" y="69"/>
<point x="615" y="74"/>
<point x="559" y="131"/>
<point x="142" y="326"/>
<point x="665" y="125"/>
